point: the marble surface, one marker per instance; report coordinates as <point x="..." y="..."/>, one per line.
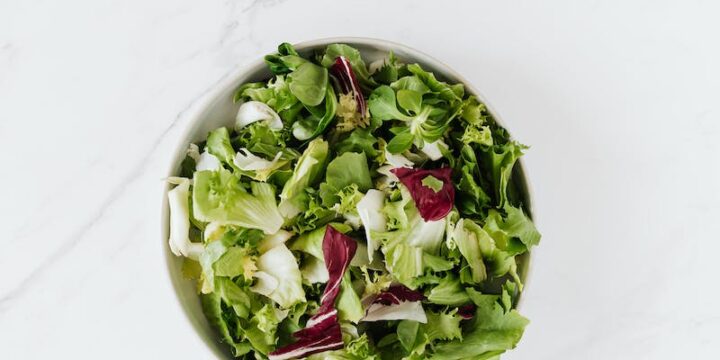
<point x="619" y="103"/>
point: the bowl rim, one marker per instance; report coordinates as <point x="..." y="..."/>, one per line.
<point x="199" y="105"/>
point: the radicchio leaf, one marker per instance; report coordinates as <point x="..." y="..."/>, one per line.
<point x="322" y="331"/>
<point x="343" y="72"/>
<point x="338" y="251"/>
<point x="397" y="303"/>
<point x="466" y="311"/>
<point x="396" y="294"/>
<point x="432" y="205"/>
<point x="324" y="336"/>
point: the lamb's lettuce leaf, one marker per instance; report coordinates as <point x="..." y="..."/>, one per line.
<point x="345" y="170"/>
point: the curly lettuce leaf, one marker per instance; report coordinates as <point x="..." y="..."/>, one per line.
<point x="218" y="145"/>
<point x="213" y="309"/>
<point x="492" y="332"/>
<point x="474" y="199"/>
<point x="500" y="159"/>
<point x="219" y="197"/>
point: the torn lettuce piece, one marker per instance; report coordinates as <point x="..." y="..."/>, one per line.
<point x="466" y="237"/>
<point x="254" y="111"/>
<point x="493" y="331"/>
<point x="348" y="302"/>
<point x="345" y="170"/>
<point x="499" y="161"/>
<point x="369" y="209"/>
<point x="514" y="233"/>
<point x="449" y="292"/>
<point x="219" y="197"/>
<point x="218" y="145"/>
<point x="347" y="206"/>
<point x="306" y="128"/>
<point x="309" y="83"/>
<point x="179" y="240"/>
<point x="307" y="171"/>
<point x="279" y="278"/>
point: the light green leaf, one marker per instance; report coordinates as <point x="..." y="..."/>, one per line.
<point x="345" y="170"/>
<point x="412" y="83"/>
<point x="401" y="142"/>
<point x="359" y="140"/>
<point x="516" y="225"/>
<point x="449" y="292"/>
<point x="447" y="92"/>
<point x="218" y="197"/>
<point x="493" y="332"/>
<point x="465" y="236"/>
<point x="307" y="171"/>
<point x="382" y="105"/>
<point x="407" y="331"/>
<point x="218" y="144"/>
<point x="279" y="264"/>
<point x="410" y="100"/>
<point x="352" y="55"/>
<point x="348" y="303"/>
<point x="478" y="135"/>
<point x="309" y="83"/>
<point x="309" y="127"/>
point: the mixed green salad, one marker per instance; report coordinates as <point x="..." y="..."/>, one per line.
<point x="355" y="211"/>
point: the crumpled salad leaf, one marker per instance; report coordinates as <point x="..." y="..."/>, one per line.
<point x="355" y="210"/>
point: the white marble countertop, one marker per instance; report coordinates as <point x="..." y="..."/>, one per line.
<point x="619" y="103"/>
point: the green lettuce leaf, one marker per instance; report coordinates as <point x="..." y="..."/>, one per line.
<point x="516" y="226"/>
<point x="427" y="124"/>
<point x="308" y="170"/>
<point x="345" y="170"/>
<point x="218" y="144"/>
<point x="465" y="236"/>
<point x="448" y="292"/>
<point x="306" y="128"/>
<point x="474" y="112"/>
<point x="219" y="197"/>
<point x="492" y="332"/>
<point x="410" y="236"/>
<point x="212" y="307"/>
<point x="263" y="327"/>
<point x="447" y="92"/>
<point x="315" y="216"/>
<point x="286" y="60"/>
<point x="473" y="199"/>
<point x="501" y="160"/>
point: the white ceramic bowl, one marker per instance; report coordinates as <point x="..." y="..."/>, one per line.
<point x="216" y="109"/>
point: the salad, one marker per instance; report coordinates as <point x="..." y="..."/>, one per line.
<point x="355" y="211"/>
